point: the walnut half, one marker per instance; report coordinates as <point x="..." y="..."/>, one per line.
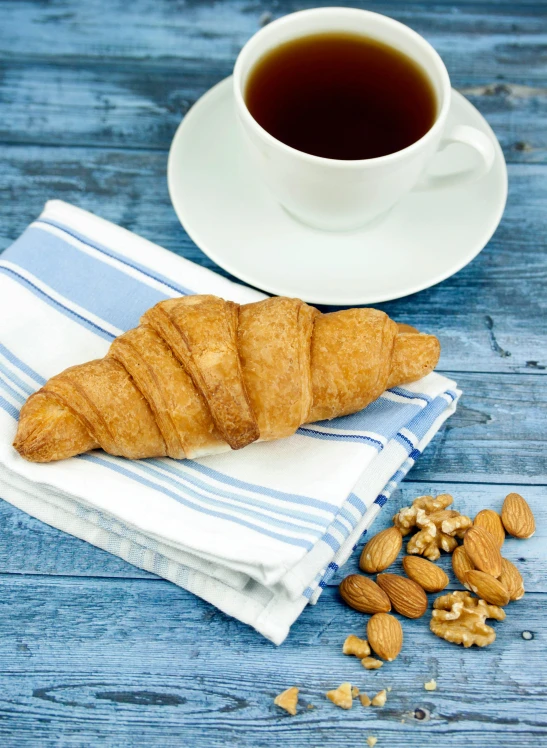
<point x="438" y="527"/>
<point x="460" y="618"/>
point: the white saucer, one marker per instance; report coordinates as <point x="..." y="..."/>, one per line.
<point x="232" y="217"/>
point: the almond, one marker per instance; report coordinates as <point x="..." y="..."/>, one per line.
<point x="407" y="597"/>
<point x="385" y="636"/>
<point x="483" y="550"/>
<point x="491" y="521"/>
<point x="511" y="579"/>
<point x="381" y="550"/>
<point x="428" y="575"/>
<point x="517" y="517"/>
<point x="364" y="595"/>
<point x="461" y="564"/>
<point x="487" y="588"/>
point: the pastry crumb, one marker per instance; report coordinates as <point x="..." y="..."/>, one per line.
<point x="341" y="696"/>
<point x="356" y="647"/>
<point x="380" y="698"/>
<point x="288" y="700"/>
<point x="365" y="700"/>
<point x="371" y="741"/>
<point x="354" y="692"/>
<point x="371" y="663"/>
<point x="431" y="685"/>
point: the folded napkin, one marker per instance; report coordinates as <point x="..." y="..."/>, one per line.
<point x="257" y="532"/>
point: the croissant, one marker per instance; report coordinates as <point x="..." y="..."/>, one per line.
<point x="201" y="375"/>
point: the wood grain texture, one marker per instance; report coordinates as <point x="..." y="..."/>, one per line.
<point x="128" y="83"/>
<point x="140" y="106"/>
<point x="500" y="328"/>
<point x="94" y="651"/>
<point x="135" y="662"/>
<point x="500" y="36"/>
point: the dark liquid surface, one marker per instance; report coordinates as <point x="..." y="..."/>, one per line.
<point x="341" y="96"/>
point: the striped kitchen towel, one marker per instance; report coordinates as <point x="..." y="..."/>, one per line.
<point x="258" y="532"/>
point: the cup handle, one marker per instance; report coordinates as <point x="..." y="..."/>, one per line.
<point x="477" y="140"/>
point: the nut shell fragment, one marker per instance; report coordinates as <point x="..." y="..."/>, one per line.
<point x="371" y="663"/>
<point x="341" y="696"/>
<point x="380" y="698"/>
<point x="356" y="647"/>
<point x="288" y="700"/>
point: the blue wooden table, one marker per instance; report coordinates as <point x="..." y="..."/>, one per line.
<point x="96" y="652"/>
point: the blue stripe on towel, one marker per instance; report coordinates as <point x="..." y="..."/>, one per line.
<point x="183" y="475"/>
<point x="236" y="483"/>
<point x="7" y="388"/>
<point x="181" y="290"/>
<point x="410" y="395"/>
<point x="56" y="304"/>
<point x="95" y="285"/>
<point x="383" y="417"/>
<point x="357" y="503"/>
<point x="116" y="467"/>
<point x="249" y="502"/>
<point x="14" y="379"/>
<point x="306" y="431"/>
<point x="25" y="368"/>
<point x="9" y="408"/>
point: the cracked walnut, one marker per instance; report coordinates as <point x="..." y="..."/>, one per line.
<point x="438" y="527"/>
<point x="460" y="618"/>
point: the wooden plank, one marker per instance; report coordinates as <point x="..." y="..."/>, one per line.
<point x="31" y="547"/>
<point x="140" y="106"/>
<point x="127" y="82"/>
<point x="135" y="662"/>
<point x="495" y="436"/>
<point x="501" y="326"/>
<point x="488" y="38"/>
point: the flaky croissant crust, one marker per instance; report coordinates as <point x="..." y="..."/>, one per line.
<point x="201" y="375"/>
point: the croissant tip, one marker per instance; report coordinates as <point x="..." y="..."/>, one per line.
<point x="31" y="448"/>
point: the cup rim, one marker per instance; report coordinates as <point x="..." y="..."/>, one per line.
<point x="334" y="162"/>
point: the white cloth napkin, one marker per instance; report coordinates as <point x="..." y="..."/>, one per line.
<point x="257" y="532"/>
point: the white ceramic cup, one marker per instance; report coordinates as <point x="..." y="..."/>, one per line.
<point x="337" y="195"/>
